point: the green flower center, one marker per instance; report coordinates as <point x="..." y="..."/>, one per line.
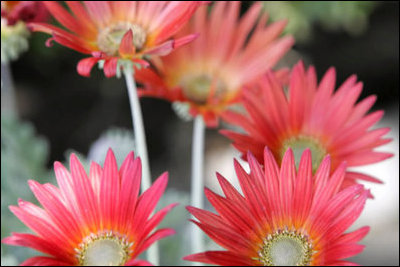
<point x="284" y="248"/>
<point x="110" y="38"/>
<point x="103" y="250"/>
<point x="299" y="144"/>
<point x="197" y="88"/>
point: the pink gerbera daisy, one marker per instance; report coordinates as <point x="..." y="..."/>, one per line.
<point x="92" y="220"/>
<point x="284" y="217"/>
<point x="208" y="74"/>
<point x="308" y="115"/>
<point x="113" y="30"/>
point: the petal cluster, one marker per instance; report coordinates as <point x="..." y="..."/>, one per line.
<point x="312" y="115"/>
<point x="26" y="11"/>
<point x="102" y="205"/>
<point x="112" y="30"/>
<point x="209" y="73"/>
<point x="280" y="202"/>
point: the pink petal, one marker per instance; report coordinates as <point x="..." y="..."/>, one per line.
<point x="287" y="177"/>
<point x="303" y="194"/>
<point x="130" y="173"/>
<point x="85" y="196"/>
<point x="126" y="48"/>
<point x="99" y="11"/>
<point x="109" y="191"/>
<point x="147" y="202"/>
<point x="156" y="219"/>
<point x="85" y="66"/>
<point x="227" y="238"/>
<point x="110" y="67"/>
<point x="185" y="40"/>
<point x="44" y="261"/>
<point x="137" y="262"/>
<point x="66" y="19"/>
<point x="40" y="244"/>
<point x="161" y="50"/>
<point x="361" y="176"/>
<point x="159" y="234"/>
<point x="223" y="258"/>
<point x="56" y="210"/>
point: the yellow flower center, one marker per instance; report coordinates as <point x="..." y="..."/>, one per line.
<point x="299" y="143"/>
<point x="103" y="250"/>
<point x="284" y="248"/>
<point x="110" y="38"/>
<point x="197" y="88"/>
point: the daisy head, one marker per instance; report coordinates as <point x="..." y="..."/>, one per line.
<point x="310" y="115"/>
<point x="94" y="220"/>
<point x="114" y="30"/>
<point x="207" y="75"/>
<point x="284" y="216"/>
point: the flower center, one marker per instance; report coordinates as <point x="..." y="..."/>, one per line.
<point x="110" y="38"/>
<point x="299" y="144"/>
<point x="284" y="248"/>
<point x="197" y="88"/>
<point x="103" y="250"/>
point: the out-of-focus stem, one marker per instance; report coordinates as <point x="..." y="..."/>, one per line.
<point x="141" y="146"/>
<point x="197" y="180"/>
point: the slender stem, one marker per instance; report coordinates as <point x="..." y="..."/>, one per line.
<point x="8" y="103"/>
<point x="141" y="146"/>
<point x="197" y="179"/>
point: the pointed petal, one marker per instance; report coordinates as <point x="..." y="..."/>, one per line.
<point x="44" y="261"/>
<point x="185" y="40"/>
<point x="161" y="50"/>
<point x="85" y="66"/>
<point x="126" y="48"/>
<point x="159" y="234"/>
<point x="223" y="258"/>
<point x="109" y="191"/>
<point x="148" y="201"/>
<point x="286" y="179"/>
<point x="110" y="67"/>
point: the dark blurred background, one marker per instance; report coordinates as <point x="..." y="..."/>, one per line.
<point x="71" y="111"/>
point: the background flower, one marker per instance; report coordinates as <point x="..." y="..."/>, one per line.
<point x="310" y="115"/>
<point x="112" y="30"/>
<point x="14" y="33"/>
<point x="209" y="73"/>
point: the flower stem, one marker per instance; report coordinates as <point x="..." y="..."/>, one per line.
<point x="197" y="179"/>
<point x="141" y="146"/>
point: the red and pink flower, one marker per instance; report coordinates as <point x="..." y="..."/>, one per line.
<point x="284" y="217"/>
<point x="208" y="74"/>
<point x="113" y="30"/>
<point x="96" y="219"/>
<point x="310" y="115"/>
<point x="26" y="11"/>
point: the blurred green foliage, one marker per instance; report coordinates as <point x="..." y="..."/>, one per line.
<point x="350" y="16"/>
<point x="23" y="156"/>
